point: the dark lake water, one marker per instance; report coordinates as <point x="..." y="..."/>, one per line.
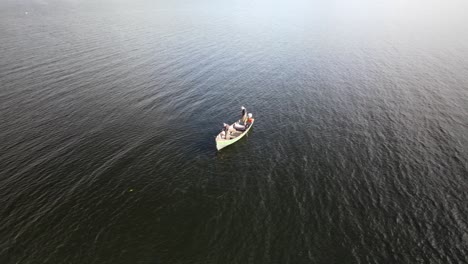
<point x="109" y="109"/>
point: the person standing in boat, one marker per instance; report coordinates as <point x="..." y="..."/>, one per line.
<point x="244" y="115"/>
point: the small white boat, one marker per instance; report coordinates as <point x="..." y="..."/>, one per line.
<point x="235" y="136"/>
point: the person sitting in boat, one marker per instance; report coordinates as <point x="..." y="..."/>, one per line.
<point x="228" y="129"/>
<point x="249" y="120"/>
<point x="244" y="115"/>
<point x="223" y="134"/>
